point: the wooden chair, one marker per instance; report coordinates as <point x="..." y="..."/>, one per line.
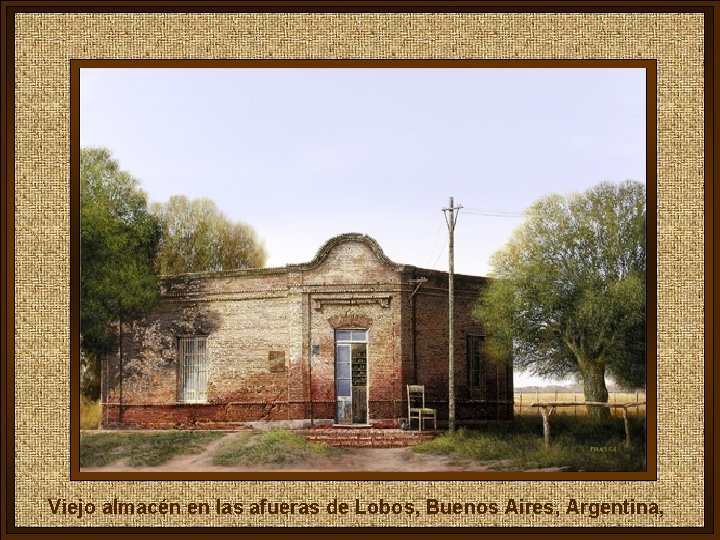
<point x="416" y="395"/>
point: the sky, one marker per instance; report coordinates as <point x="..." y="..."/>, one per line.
<point x="305" y="154"/>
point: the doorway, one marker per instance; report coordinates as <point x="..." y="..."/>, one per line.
<point x="351" y="376"/>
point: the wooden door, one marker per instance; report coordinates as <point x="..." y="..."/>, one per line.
<point x="359" y="383"/>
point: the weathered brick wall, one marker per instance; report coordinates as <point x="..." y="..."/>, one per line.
<point x="246" y="320"/>
<point x="432" y="349"/>
<point x="271" y="349"/>
<point x="363" y="293"/>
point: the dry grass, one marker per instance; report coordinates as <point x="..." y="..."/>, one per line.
<point x="89" y="413"/>
<point x="524" y="399"/>
<point x="276" y="446"/>
<point x="151" y="448"/>
<point x="578" y="444"/>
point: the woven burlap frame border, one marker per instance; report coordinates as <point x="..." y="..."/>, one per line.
<point x="45" y="44"/>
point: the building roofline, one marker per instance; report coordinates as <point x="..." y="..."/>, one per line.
<point x="321" y="255"/>
<point x="228" y="273"/>
<point x="419" y="270"/>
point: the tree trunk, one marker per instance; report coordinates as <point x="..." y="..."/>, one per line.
<point x="121" y="411"/>
<point x="593" y="376"/>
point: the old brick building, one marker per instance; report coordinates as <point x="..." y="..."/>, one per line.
<point x="335" y="340"/>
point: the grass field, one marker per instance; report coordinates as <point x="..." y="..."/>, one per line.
<point x="99" y="449"/>
<point x="578" y="444"/>
<point x="523" y="399"/>
<point x="270" y="447"/>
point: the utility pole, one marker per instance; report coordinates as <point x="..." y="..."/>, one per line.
<point x="451" y="215"/>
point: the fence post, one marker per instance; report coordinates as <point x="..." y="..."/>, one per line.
<point x="627" y="427"/>
<point x="546" y="425"/>
<point x="575" y="406"/>
<point x="520" y="403"/>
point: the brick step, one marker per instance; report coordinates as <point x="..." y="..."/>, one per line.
<point x="386" y="438"/>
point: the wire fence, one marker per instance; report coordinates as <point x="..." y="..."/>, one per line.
<point x="523" y="399"/>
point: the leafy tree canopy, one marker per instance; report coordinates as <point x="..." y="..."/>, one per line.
<point x="197" y="237"/>
<point x="118" y="241"/>
<point x="569" y="293"/>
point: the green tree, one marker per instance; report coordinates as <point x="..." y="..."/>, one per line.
<point x="118" y="242"/>
<point x="569" y="293"/>
<point x="197" y="237"/>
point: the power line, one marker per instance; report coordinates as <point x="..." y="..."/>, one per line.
<point x="482" y="212"/>
<point x="492" y="213"/>
<point x="437" y="259"/>
<point x="434" y="245"/>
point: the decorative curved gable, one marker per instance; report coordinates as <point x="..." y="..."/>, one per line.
<point x="338" y="241"/>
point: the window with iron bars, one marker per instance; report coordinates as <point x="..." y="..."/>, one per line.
<point x="476" y="373"/>
<point x="192" y="369"/>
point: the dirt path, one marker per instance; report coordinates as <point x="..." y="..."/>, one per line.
<point x="355" y="459"/>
